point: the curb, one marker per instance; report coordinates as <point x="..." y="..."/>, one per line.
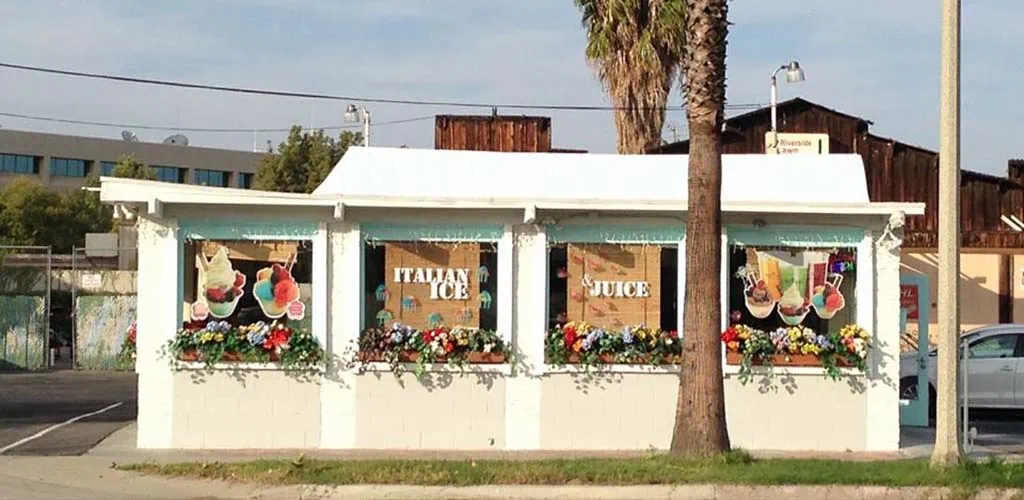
<point x="686" y="492"/>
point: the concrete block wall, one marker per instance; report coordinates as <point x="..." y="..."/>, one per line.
<point x="447" y="412"/>
<point x="629" y="411"/>
<point x="245" y="409"/>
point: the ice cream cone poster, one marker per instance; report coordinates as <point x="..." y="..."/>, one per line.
<point x="277" y="293"/>
<point x="220" y="287"/>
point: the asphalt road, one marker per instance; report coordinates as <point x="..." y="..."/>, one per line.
<point x="33" y="402"/>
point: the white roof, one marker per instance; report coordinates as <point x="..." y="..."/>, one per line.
<point x="447" y="174"/>
<point x="532" y="182"/>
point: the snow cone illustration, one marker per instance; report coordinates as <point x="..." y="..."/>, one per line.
<point x="220" y="286"/>
<point x="277" y="292"/>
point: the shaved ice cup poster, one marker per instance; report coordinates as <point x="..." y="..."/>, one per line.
<point x="221" y="287"/>
<point x="277" y="292"/>
<point x="791" y="285"/>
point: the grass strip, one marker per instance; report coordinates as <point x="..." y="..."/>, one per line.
<point x="738" y="469"/>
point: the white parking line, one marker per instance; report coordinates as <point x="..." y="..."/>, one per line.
<point x="52" y="428"/>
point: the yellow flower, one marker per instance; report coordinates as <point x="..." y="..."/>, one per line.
<point x="219" y="337"/>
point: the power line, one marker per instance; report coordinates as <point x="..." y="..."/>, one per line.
<point x="199" y="129"/>
<point x="332" y="97"/>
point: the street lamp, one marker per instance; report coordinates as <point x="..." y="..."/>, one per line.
<point x="354" y="114"/>
<point x="794" y="74"/>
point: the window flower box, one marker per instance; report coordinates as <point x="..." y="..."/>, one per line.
<point x="216" y="342"/>
<point x="583" y="344"/>
<point x="456" y="346"/>
<point x="810" y="360"/>
<point x="796" y="346"/>
<point x="476" y="358"/>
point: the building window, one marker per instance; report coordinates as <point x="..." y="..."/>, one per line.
<point x="244" y="282"/>
<point x="107" y="168"/>
<point x="169" y="174"/>
<point x="780" y="287"/>
<point x="245" y="181"/>
<point x="215" y="178"/>
<point x="68" y="167"/>
<point x="19" y="164"/>
<point x="427" y="285"/>
<point x="613" y="286"/>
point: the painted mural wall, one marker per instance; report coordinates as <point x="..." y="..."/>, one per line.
<point x="101" y="327"/>
<point x="23" y="338"/>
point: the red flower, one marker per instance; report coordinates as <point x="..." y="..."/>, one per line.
<point x="569" y="338"/>
<point x="449" y="347"/>
<point x="673" y="334"/>
<point x="428" y="336"/>
<point x="278" y="339"/>
<point x="729" y="335"/>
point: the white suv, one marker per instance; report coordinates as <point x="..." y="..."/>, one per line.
<point x="995" y="369"/>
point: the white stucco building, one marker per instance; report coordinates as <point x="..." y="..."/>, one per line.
<point x="525" y="207"/>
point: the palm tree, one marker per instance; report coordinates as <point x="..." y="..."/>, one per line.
<point x="636" y="48"/>
<point x="700" y="428"/>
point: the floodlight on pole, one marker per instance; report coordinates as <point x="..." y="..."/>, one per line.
<point x="794" y="74"/>
<point x="354" y="114"/>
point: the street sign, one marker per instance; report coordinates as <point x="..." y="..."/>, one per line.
<point x="789" y="144"/>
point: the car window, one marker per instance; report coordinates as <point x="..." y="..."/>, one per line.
<point x="998" y="346"/>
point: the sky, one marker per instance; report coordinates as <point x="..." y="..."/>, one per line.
<point x="878" y="59"/>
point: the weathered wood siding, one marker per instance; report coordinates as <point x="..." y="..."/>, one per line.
<point x="525" y="134"/>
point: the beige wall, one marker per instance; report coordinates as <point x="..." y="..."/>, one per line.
<point x="629" y="411"/>
<point x="1018" y="288"/>
<point x="636" y="411"/>
<point x="979" y="287"/>
<point x="800" y="413"/>
<point x="250" y="409"/>
<point x="444" y="412"/>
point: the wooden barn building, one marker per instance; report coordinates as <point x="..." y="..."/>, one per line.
<point x="992" y="256"/>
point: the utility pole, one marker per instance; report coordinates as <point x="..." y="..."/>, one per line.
<point x="947" y="441"/>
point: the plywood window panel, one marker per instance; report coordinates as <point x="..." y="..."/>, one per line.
<point x="617" y="264"/>
<point x="435" y="256"/>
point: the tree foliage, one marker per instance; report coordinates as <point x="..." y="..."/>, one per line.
<point x="303" y="160"/>
<point x="128" y="167"/>
<point x="637" y="48"/>
<point x="31" y="214"/>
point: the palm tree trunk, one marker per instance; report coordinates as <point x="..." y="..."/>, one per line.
<point x="700" y="428"/>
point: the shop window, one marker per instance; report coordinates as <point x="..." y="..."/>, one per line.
<point x="245" y="282"/>
<point x="612" y="286"/>
<point x="773" y="287"/>
<point x="612" y="303"/>
<point x="425" y="285"/>
<point x="429" y="302"/>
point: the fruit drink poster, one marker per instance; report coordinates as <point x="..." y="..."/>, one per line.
<point x="792" y="285"/>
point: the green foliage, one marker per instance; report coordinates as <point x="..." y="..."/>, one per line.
<point x="303" y="160"/>
<point x="128" y="167"/>
<point x="637" y="48"/>
<point x="31" y="214"/>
